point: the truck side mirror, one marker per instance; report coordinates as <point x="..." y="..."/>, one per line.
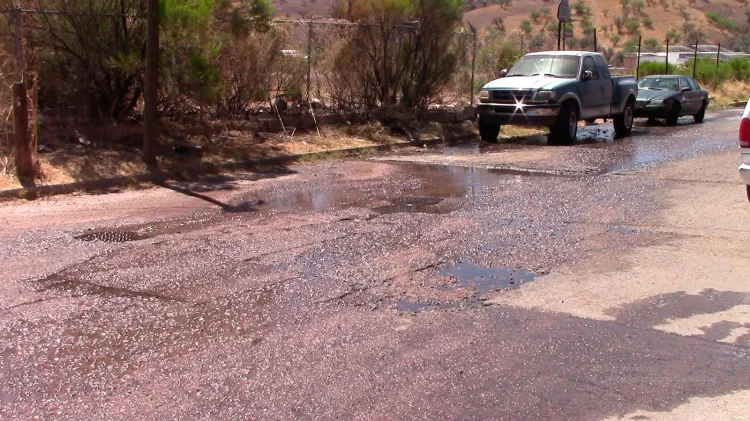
<point x="587" y="75"/>
<point x="503" y="72"/>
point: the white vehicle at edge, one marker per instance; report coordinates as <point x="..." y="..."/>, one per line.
<point x="745" y="148"/>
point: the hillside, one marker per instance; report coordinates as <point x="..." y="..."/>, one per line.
<point x="663" y="15"/>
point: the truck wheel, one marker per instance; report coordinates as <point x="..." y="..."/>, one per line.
<point x="566" y="128"/>
<point x="624" y="121"/>
<point x="673" y="115"/>
<point x="701" y="114"/>
<point x="488" y="132"/>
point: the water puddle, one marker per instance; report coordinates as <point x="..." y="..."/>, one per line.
<point x="439" y="182"/>
<point x="414" y="204"/>
<point x="417" y="306"/>
<point x="625" y="230"/>
<point x="485" y="279"/>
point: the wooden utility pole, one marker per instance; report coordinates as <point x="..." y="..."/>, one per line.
<point x="23" y="145"/>
<point x="150" y="94"/>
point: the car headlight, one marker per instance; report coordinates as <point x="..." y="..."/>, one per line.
<point x="545" y="96"/>
<point x="484" y="95"/>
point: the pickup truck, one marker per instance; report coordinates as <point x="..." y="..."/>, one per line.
<point x="556" y="89"/>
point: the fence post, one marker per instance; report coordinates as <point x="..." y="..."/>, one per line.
<point x="23" y="149"/>
<point x="309" y="56"/>
<point x="718" y="55"/>
<point x="19" y="41"/>
<point x="473" y="64"/>
<point x="595" y="49"/>
<point x="666" y="59"/>
<point x="638" y="61"/>
<point x="695" y="57"/>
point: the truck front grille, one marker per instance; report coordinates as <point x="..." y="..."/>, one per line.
<point x="508" y="96"/>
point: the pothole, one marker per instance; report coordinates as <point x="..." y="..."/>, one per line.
<point x="111" y="236"/>
<point x="485" y="279"/>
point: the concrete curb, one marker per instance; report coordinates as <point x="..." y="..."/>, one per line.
<point x="201" y="169"/>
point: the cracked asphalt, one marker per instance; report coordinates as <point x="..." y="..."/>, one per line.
<point x="609" y="279"/>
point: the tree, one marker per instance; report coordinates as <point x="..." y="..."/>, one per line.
<point x="605" y="12"/>
<point x="652" y="44"/>
<point x="630" y="46"/>
<point x="402" y="67"/>
<point x="638" y="6"/>
<point x="535" y="16"/>
<point x="526" y="27"/>
<point x="648" y="22"/>
<point x="664" y="4"/>
<point x="633" y="27"/>
<point x="619" y="23"/>
<point x="625" y="3"/>
<point x="723" y="23"/>
<point x="615" y="38"/>
<point x="684" y="14"/>
<point x="499" y="23"/>
<point x="651" y="3"/>
<point x="581" y="8"/>
<point x="673" y="37"/>
<point x="604" y="28"/>
<point x="687" y="28"/>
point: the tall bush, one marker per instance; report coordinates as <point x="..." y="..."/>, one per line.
<point x="404" y="48"/>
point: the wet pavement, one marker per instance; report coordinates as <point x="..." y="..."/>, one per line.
<point x="361" y="289"/>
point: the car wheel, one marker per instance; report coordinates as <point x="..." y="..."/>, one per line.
<point x="701" y="114"/>
<point x="673" y="115"/>
<point x="566" y="128"/>
<point x="624" y="121"/>
<point x="489" y="132"/>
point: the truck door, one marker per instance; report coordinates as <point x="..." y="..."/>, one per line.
<point x="594" y="91"/>
<point x="607" y="84"/>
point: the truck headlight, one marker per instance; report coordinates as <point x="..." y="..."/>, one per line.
<point x="545" y="96"/>
<point x="484" y="95"/>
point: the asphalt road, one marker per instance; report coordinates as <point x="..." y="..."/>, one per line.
<point x="609" y="279"/>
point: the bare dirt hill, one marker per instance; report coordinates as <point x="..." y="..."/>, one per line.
<point x="664" y="14"/>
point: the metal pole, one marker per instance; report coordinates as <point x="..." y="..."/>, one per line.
<point x="151" y="91"/>
<point x="638" y="61"/>
<point x="473" y="64"/>
<point x="666" y="59"/>
<point x="563" y="37"/>
<point x="19" y="42"/>
<point x="559" y="33"/>
<point x="595" y="49"/>
<point x="309" y="56"/>
<point x="718" y="55"/>
<point x="695" y="57"/>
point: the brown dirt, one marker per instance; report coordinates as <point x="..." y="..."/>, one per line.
<point x="71" y="162"/>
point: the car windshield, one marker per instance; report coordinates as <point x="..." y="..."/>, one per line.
<point x="555" y="66"/>
<point x="659" y="83"/>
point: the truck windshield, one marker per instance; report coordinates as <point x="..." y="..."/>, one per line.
<point x="554" y="66"/>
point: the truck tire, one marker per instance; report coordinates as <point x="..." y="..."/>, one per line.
<point x="488" y="132"/>
<point x="624" y="121"/>
<point x="674" y="114"/>
<point x="566" y="129"/>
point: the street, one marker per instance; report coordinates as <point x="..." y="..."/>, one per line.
<point x="605" y="280"/>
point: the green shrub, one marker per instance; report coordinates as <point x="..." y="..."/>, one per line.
<point x="707" y="72"/>
<point x="649" y="68"/>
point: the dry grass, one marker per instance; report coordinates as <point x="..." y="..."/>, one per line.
<point x="730" y="93"/>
